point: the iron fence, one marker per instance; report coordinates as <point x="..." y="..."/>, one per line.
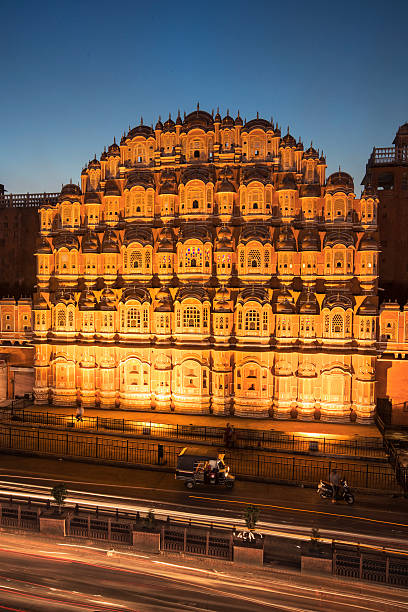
<point x="243" y="463"/>
<point x="197" y="542"/>
<point x="352" y="562"/>
<point x="20" y="516"/>
<point x="245" y="438"/>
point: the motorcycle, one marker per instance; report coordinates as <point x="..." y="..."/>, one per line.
<point x="325" y="490"/>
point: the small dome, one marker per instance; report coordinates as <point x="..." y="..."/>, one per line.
<point x="111" y="188"/>
<point x="108" y="300"/>
<point x="368" y="307"/>
<point x="368" y="242"/>
<point x="287" y="182"/>
<point x="159" y="125"/>
<point x="141" y="130"/>
<point x="40" y="302"/>
<point x="311" y="153"/>
<point x="71" y="190"/>
<point x="284" y="302"/>
<point x="217" y="118"/>
<point x="87" y="301"/>
<point x="309" y="240"/>
<point x="67" y="240"/>
<point x="308" y="304"/>
<point x="134" y="292"/>
<point x="179" y="120"/>
<point x="104" y="156"/>
<point x="169" y="125"/>
<point x="334" y="237"/>
<point x="43" y="246"/>
<point x="91" y="197"/>
<point x="113" y="150"/>
<point x="225" y="186"/>
<point x="110" y="243"/>
<point x="90" y="243"/>
<point x="238" y="120"/>
<point x="340" y="181"/>
<point x="288" y="140"/>
<point x="310" y="191"/>
<point x="94" y="163"/>
<point x="337" y="300"/>
<point x="299" y="146"/>
<point x="284" y="239"/>
<point x="228" y="121"/>
<point x="369" y="192"/>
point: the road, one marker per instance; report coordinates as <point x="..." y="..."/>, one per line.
<point x="45" y="577"/>
<point x="378" y="519"/>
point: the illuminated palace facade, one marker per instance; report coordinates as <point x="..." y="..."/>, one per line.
<point x="208" y="266"/>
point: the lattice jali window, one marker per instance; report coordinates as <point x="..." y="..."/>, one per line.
<point x="267" y="259"/>
<point x="61" y="319"/>
<point x="337" y="324"/>
<point x="147" y="259"/>
<point x="136" y="259"/>
<point x="252" y="322"/>
<point x="254" y="258"/>
<point x="326" y="324"/>
<point x="191" y="317"/>
<point x="133" y="318"/>
<point x="265" y="321"/>
<point x="242" y="258"/>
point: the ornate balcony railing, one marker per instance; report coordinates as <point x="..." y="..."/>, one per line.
<point x="389" y="155"/>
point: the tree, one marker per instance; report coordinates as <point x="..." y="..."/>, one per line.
<point x="251" y="516"/>
<point x="59" y="493"/>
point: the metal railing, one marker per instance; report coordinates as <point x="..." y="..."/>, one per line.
<point x="246" y="464"/>
<point x="245" y="438"/>
<point x="27" y="200"/>
<point x="389" y="155"/>
<point x="352" y="562"/>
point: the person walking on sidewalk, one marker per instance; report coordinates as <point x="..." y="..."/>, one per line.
<point x="227" y="435"/>
<point x="80" y="414"/>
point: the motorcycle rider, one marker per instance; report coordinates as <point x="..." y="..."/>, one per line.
<point x="335" y="481"/>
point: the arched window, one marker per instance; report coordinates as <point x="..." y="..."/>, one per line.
<point x="133" y="318"/>
<point x="70" y="319"/>
<point x="252" y="320"/>
<point x="337" y="324"/>
<point x="254" y="259"/>
<point x="191" y="316"/>
<point x="136" y="259"/>
<point x="195" y="203"/>
<point x="61" y="319"/>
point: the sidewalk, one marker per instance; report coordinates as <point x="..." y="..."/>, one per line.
<point x="305" y="428"/>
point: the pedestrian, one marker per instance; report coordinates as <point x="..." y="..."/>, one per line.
<point x="233" y="437"/>
<point x="335" y="481"/>
<point x="227" y="435"/>
<point x="80" y="414"/>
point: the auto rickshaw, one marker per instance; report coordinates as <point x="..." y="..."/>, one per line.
<point x="200" y="465"/>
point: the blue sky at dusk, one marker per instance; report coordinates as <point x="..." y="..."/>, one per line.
<point x="76" y="74"/>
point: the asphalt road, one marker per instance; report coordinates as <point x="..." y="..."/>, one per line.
<point x="44" y="577"/>
<point x="379" y="517"/>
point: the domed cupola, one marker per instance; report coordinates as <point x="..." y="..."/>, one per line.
<point x="166" y="241"/>
<point x="164" y="301"/>
<point x="228" y="120"/>
<point x="92" y="197"/>
<point x="87" y="300"/>
<point x="225" y="186"/>
<point x="310" y="190"/>
<point x="284" y="303"/>
<point x="238" y="120"/>
<point x="62" y="296"/>
<point x="217" y="118"/>
<point x="140" y="294"/>
<point x="114" y="149"/>
<point x="179" y="120"/>
<point x="90" y="243"/>
<point x="67" y="240"/>
<point x="311" y="153"/>
<point x="224" y="239"/>
<point x="369" y="307"/>
<point x="288" y="140"/>
<point x="39" y="302"/>
<point x="221" y="300"/>
<point x="337" y="300"/>
<point x="70" y="191"/>
<point x="108" y="300"/>
<point x="141" y="130"/>
<point x="299" y="145"/>
<point x="104" y="155"/>
<point x="308" y="304"/>
<point x="284" y="239"/>
<point x="138" y="233"/>
<point x="43" y="246"/>
<point x="159" y="125"/>
<point x="309" y="240"/>
<point x="287" y="182"/>
<point x="368" y="242"/>
<point x="340" y="181"/>
<point x="369" y="192"/>
<point x="110" y="243"/>
<point x="111" y="188"/>
<point x="169" y="125"/>
<point x="94" y="163"/>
